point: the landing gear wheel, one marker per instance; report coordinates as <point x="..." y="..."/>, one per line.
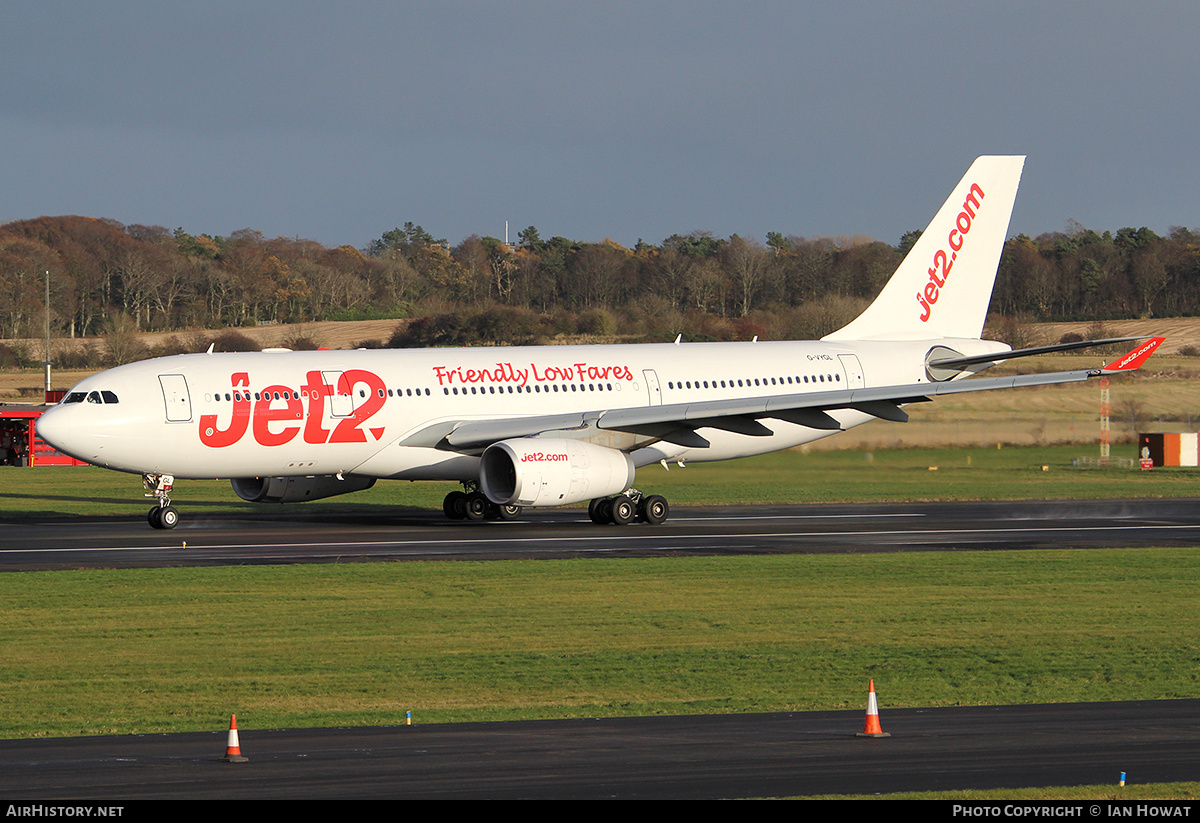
<point x="654" y="509"/>
<point x="476" y="506"/>
<point x="168" y="516"/>
<point x="600" y="510"/>
<point x="455" y="505"/>
<point x="163" y="517"/>
<point x="623" y="510"/>
<point x="507" y="513"/>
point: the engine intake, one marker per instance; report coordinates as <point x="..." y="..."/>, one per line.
<point x="297" y="489"/>
<point x="552" y="472"/>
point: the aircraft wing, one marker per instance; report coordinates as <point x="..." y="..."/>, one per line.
<point x="678" y="422"/>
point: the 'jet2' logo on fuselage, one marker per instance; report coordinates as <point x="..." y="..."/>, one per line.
<point x="275" y="415"/>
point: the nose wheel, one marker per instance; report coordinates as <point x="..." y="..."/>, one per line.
<point x="163" y="515"/>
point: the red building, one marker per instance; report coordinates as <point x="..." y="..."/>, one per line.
<point x="19" y="443"/>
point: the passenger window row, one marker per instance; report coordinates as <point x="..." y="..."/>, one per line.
<point x="288" y="394"/>
<point x="748" y="383"/>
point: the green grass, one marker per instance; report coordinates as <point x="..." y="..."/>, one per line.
<point x="785" y="477"/>
<point x="161" y="650"/>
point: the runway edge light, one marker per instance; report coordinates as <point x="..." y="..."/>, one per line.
<point x="872" y="728"/>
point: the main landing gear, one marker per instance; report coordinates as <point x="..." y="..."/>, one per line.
<point x="472" y="504"/>
<point x="628" y="507"/>
<point x="163" y="515"/>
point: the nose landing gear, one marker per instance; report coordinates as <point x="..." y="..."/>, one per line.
<point x="163" y="515"/>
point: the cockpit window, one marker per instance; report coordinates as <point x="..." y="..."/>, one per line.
<point x="100" y="397"/>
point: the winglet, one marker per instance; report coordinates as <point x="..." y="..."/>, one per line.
<point x="1135" y="359"/>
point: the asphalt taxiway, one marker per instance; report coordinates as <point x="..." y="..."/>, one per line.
<point x="293" y="535"/>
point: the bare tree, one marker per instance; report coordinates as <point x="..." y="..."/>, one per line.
<point x="746" y="262"/>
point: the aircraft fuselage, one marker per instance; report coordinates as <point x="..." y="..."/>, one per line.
<point x="376" y="412"/>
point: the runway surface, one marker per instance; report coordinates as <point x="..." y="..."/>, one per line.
<point x="657" y="757"/>
<point x="296" y="535"/>
<point x="703" y="757"/>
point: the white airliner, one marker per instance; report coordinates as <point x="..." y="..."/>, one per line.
<point x="554" y="425"/>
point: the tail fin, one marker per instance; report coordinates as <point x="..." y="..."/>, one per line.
<point x="943" y="286"/>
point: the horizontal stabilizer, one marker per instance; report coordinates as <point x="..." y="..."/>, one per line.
<point x="996" y="357"/>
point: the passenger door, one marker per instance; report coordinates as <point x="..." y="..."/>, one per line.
<point x="176" y="398"/>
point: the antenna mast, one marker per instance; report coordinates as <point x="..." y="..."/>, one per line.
<point x="49" y="387"/>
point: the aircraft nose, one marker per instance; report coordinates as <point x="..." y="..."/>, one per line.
<point x="53" y="428"/>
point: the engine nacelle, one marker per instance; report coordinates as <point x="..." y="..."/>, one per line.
<point x="552" y="472"/>
<point x="296" y="489"/>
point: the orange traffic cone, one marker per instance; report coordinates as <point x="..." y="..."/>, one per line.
<point x="233" y="752"/>
<point x="872" y="729"/>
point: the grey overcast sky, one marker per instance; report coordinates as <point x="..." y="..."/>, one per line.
<point x="337" y="121"/>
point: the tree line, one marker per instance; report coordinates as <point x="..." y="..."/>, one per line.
<point x="105" y="277"/>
